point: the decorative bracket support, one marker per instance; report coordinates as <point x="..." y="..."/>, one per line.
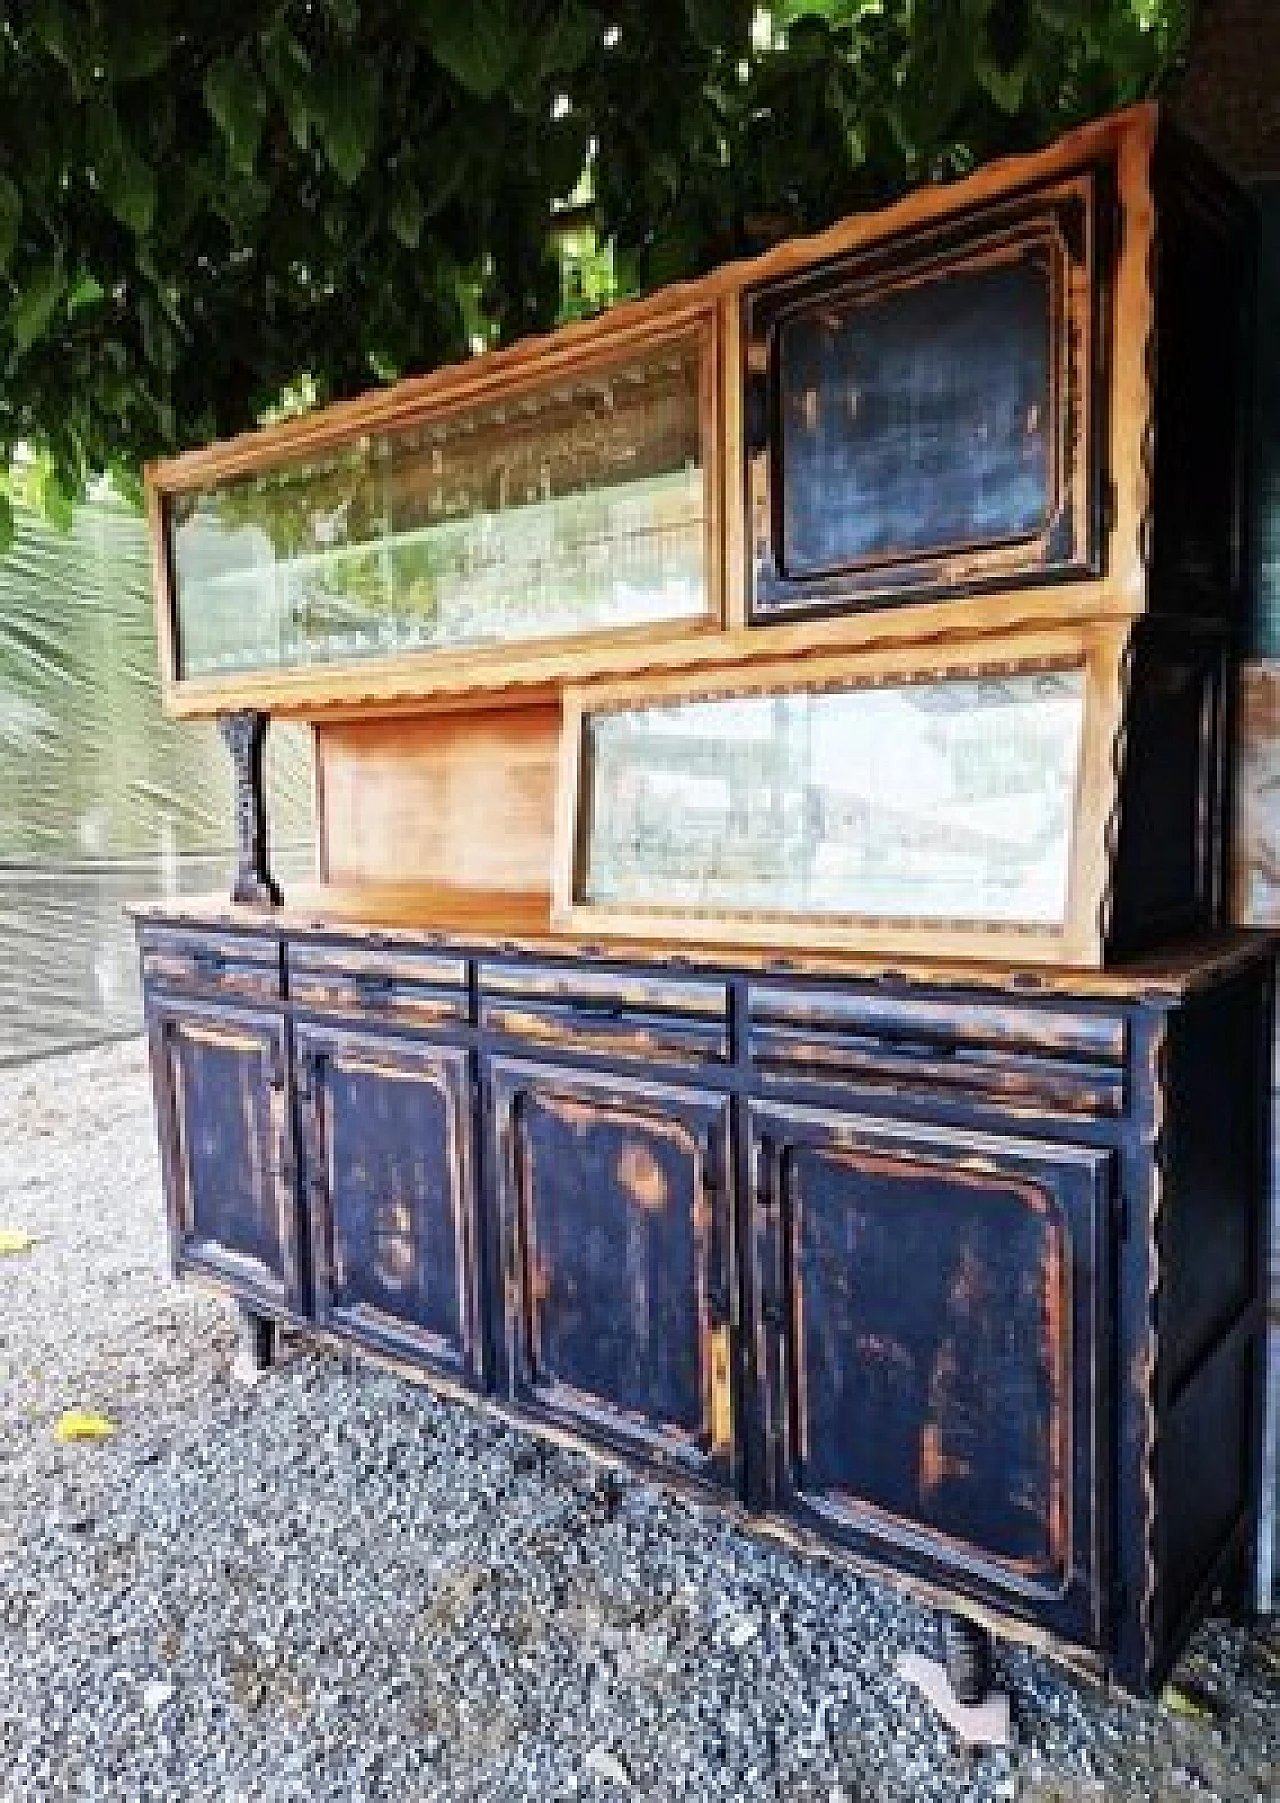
<point x="244" y="735"/>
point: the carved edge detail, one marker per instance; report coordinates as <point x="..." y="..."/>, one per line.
<point x="1146" y="546"/>
<point x="1149" y="1605"/>
<point x="1112" y="824"/>
<point x="244" y="735"/>
<point x="1150" y="377"/>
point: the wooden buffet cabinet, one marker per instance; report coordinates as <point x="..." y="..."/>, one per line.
<point x="765" y="1008"/>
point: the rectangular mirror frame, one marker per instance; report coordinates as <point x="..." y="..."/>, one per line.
<point x="501" y="377"/>
<point x="1099" y="650"/>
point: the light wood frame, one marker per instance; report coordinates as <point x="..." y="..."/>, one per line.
<point x="509" y="675"/>
<point x="1099" y="650"/>
<point x="361" y="681"/>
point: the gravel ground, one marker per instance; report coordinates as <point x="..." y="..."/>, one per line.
<point x="337" y="1586"/>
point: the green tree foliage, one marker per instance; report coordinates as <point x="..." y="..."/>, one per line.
<point x="202" y="202"/>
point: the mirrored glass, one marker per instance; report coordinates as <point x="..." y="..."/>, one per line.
<point x="949" y="799"/>
<point x="577" y="507"/>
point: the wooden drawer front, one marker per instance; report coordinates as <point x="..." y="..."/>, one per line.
<point x="642" y="1017"/>
<point x="618" y="1260"/>
<point x="1031" y="1058"/>
<point x="227" y="1147"/>
<point x="389" y="1182"/>
<point x="411" y="989"/>
<point x="929" y="1316"/>
<point x="227" y="964"/>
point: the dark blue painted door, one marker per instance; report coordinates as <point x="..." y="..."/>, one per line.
<point x="387" y="1144"/>
<point x="227" y="1145"/>
<point x="929" y="1316"/>
<point x="618" y="1254"/>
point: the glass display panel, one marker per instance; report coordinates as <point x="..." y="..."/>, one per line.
<point x="949" y="799"/>
<point x="918" y="420"/>
<point x="576" y="507"/>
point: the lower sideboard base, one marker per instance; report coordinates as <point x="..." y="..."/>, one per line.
<point x="959" y="1286"/>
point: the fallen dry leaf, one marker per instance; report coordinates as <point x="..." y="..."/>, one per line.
<point x="15" y="1239"/>
<point x="81" y="1424"/>
<point x="1189" y="1700"/>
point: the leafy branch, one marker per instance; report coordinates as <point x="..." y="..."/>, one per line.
<point x="204" y="206"/>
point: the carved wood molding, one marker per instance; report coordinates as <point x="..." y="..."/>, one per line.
<point x="244" y="735"/>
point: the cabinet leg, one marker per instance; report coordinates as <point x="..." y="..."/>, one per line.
<point x="257" y="1345"/>
<point x="966" y="1654"/>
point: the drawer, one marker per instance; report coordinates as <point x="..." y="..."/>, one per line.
<point x="223" y="964"/>
<point x="1067" y="1061"/>
<point x="407" y="988"/>
<point x="649" y="1016"/>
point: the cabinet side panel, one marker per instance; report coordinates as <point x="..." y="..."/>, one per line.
<point x="1170" y="872"/>
<point x="463" y="799"/>
<point x="1207" y="1468"/>
<point x="1211" y="1295"/>
<point x="1204" y="320"/>
<point x="1216" y="1182"/>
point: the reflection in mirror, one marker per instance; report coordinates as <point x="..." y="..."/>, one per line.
<point x="947" y="799"/>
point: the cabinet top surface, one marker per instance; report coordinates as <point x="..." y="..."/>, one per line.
<point x="1169" y="975"/>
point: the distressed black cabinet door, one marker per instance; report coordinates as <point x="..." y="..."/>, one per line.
<point x="227" y="1147"/>
<point x="387" y="1144"/>
<point x="619" y="1262"/>
<point x="929" y="1306"/>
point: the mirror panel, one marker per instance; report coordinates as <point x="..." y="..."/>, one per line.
<point x="946" y="799"/>
<point x="578" y="505"/>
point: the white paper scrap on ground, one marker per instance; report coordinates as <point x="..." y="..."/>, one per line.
<point x="155" y="1696"/>
<point x="984" y="1724"/>
<point x="603" y="1764"/>
<point x="245" y="1373"/>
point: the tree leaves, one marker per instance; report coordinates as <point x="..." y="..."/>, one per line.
<point x="126" y="181"/>
<point x="237" y="104"/>
<point x="10" y="218"/>
<point x="1005" y="86"/>
<point x="479" y="42"/>
<point x="407" y="214"/>
<point x="33" y="309"/>
<point x="346" y="118"/>
<point x="201" y="205"/>
<point x="8" y="525"/>
<point x="83" y="1424"/>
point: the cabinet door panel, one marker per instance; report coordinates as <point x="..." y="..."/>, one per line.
<point x="617" y="1234"/>
<point x="928" y="1319"/>
<point x="393" y="1209"/>
<point x="227" y="1149"/>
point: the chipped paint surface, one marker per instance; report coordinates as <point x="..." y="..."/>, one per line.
<point x="931" y="1376"/>
<point x="394" y="1224"/>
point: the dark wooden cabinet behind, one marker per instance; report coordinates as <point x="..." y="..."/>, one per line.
<point x="922" y="416"/>
<point x="963" y="1281"/>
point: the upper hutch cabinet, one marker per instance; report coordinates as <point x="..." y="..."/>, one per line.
<point x="1009" y="401"/>
<point x="923" y="415"/>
